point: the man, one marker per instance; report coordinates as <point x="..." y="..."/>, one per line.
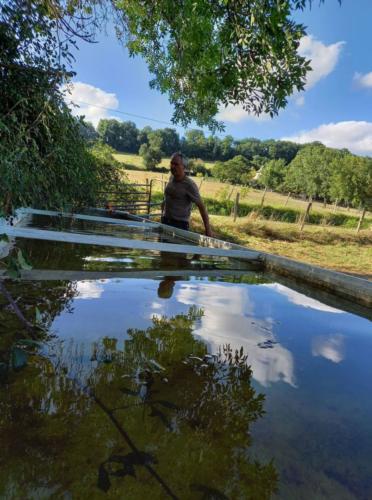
<point x="180" y="193"/>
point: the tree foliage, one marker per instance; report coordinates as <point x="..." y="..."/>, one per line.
<point x="197" y="167"/>
<point x="351" y="180"/>
<point x="330" y="174"/>
<point x="122" y="136"/>
<point x="237" y="170"/>
<point x="205" y="55"/>
<point x="272" y="174"/>
<point x="151" y="156"/>
<point x="44" y="160"/>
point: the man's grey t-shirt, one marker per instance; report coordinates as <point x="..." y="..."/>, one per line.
<point x="179" y="196"/>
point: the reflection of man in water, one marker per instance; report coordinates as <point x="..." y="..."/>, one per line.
<point x="180" y="193"/>
<point x="165" y="289"/>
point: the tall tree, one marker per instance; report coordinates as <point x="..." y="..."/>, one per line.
<point x="310" y="171"/>
<point x="351" y="180"/>
<point x="44" y="161"/>
<point x="237" y="170"/>
<point x="272" y="174"/>
<point x="122" y="136"/>
<point x="151" y="156"/>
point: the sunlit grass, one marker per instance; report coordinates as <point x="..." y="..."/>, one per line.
<point x="330" y="247"/>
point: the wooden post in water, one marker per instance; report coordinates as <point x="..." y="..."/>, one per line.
<point x="302" y="223"/>
<point x="361" y="219"/>
<point x="263" y="197"/>
<point x="286" y="201"/>
<point x="236" y="205"/>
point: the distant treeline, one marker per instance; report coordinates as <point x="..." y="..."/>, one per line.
<point x="312" y="170"/>
<point x="127" y="138"/>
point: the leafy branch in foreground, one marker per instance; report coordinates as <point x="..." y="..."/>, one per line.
<point x="204" y="55"/>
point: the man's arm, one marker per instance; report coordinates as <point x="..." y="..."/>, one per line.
<point x="204" y="216"/>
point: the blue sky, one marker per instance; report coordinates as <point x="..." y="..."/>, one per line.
<point x="335" y="108"/>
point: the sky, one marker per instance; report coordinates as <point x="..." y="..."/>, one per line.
<point x="335" y="107"/>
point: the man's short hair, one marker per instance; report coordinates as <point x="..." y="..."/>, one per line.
<point x="184" y="160"/>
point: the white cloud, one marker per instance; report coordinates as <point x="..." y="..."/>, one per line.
<point x="87" y="97"/>
<point x="300" y="299"/>
<point x="228" y="319"/>
<point x="363" y="80"/>
<point x="89" y="290"/>
<point x="300" y="100"/>
<point x="237" y="114"/>
<point x="323" y="58"/>
<point x="331" y="347"/>
<point x="353" y="135"/>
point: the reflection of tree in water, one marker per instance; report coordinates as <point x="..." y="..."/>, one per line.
<point x="43" y="301"/>
<point x="160" y="418"/>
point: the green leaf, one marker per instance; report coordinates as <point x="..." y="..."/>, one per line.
<point x="4" y="238"/>
<point x="23" y="264"/>
<point x="28" y="343"/>
<point x="19" y="358"/>
<point x="38" y="316"/>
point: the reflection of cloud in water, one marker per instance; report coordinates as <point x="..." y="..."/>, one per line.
<point x="108" y="259"/>
<point x="330" y="347"/>
<point x="229" y="319"/>
<point x="155" y="305"/>
<point x="88" y="290"/>
<point x="300" y="299"/>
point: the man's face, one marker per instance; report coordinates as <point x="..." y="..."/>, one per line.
<point x="177" y="168"/>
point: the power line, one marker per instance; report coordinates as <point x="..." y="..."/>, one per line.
<point x="120" y="112"/>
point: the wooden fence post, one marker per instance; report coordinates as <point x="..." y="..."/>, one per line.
<point x="263" y="197"/>
<point x="149" y="198"/>
<point x="286" y="201"/>
<point x="231" y="192"/>
<point x="236" y="206"/>
<point x="361" y="219"/>
<point x="335" y="205"/>
<point x="302" y="223"/>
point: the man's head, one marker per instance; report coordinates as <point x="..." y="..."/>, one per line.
<point x="178" y="166"/>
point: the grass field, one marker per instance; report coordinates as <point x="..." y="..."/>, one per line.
<point x="333" y="248"/>
<point x="336" y="248"/>
<point x="136" y="161"/>
<point x="213" y="188"/>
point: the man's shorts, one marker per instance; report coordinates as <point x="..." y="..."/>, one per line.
<point x="180" y="224"/>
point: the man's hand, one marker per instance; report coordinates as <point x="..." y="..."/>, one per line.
<point x="204" y="216"/>
<point x="209" y="232"/>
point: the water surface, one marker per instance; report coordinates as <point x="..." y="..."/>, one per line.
<point x="184" y="388"/>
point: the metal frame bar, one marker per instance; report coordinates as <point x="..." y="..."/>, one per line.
<point x="56" y="275"/>
<point x="143" y="224"/>
<point x="343" y="285"/>
<point x="111" y="241"/>
<point x="352" y="288"/>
